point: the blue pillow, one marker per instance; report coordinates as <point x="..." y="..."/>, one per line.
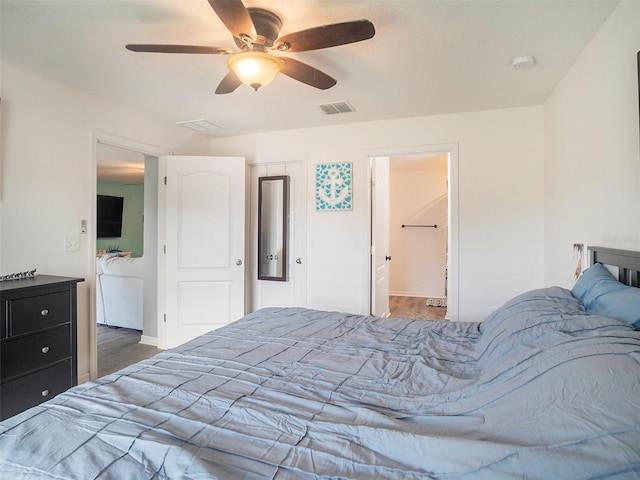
<point x="602" y="294"/>
<point x="594" y="281"/>
<point x="621" y="304"/>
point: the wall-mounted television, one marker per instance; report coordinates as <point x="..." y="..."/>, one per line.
<point x="110" y="216"/>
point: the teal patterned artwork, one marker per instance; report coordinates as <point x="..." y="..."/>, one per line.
<point x="333" y="186"/>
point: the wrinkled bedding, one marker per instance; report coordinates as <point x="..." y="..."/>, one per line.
<point x="541" y="389"/>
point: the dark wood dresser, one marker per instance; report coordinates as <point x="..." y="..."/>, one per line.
<point x="38" y="346"/>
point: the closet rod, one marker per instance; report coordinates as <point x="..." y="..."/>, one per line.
<point x="419" y="226"/>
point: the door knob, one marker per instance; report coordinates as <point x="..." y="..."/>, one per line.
<point x="299" y="261"/>
<point x="387" y="258"/>
<point x="238" y="262"/>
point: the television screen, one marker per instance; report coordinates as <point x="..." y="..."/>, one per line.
<point x="109" y="216"/>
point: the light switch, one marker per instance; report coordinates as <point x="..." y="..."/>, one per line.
<point x="72" y="243"/>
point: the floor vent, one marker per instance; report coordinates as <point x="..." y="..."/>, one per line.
<point x="336" y="107"/>
<point x="436" y="302"/>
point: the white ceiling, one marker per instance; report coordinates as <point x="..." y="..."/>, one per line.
<point x="428" y="57"/>
<point x="115" y="164"/>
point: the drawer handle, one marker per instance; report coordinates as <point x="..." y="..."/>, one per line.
<point x="44" y="312"/>
<point x="45" y="393"/>
<point x="45" y="349"/>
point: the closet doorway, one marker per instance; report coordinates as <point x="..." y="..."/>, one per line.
<point x="414" y="233"/>
<point x="292" y="292"/>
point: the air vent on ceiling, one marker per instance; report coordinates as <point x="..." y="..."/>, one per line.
<point x="336" y="107"/>
<point x="201" y="125"/>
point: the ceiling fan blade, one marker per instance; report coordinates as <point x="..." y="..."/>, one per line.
<point x="228" y="84"/>
<point x="307" y="74"/>
<point x="235" y="17"/>
<point x="328" y="36"/>
<point x="178" y="49"/>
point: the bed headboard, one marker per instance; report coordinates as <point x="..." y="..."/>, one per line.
<point x="627" y="261"/>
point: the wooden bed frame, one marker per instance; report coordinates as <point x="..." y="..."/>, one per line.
<point x="628" y="263"/>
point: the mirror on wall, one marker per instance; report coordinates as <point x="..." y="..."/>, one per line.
<point x="273" y="219"/>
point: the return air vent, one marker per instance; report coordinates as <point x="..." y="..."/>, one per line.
<point x="200" y="125"/>
<point x="336" y="107"/>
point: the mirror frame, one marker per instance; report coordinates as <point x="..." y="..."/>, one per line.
<point x="285" y="228"/>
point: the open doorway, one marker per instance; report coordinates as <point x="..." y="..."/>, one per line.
<point x="414" y="233"/>
<point x="418" y="226"/>
<point x="129" y="170"/>
<point x="119" y="258"/>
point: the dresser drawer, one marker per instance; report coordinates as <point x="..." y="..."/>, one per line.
<point x="34" y="351"/>
<point x="35" y="313"/>
<point x="3" y="320"/>
<point x="30" y="390"/>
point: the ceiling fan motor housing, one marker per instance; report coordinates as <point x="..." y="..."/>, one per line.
<point x="267" y="25"/>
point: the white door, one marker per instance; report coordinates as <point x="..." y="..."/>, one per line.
<point x="292" y="293"/>
<point x="380" y="255"/>
<point x="202" y="262"/>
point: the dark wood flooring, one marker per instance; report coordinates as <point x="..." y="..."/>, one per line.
<point x="119" y="348"/>
<point x="415" y="307"/>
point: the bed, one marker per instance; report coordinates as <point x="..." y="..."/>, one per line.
<point x="548" y="386"/>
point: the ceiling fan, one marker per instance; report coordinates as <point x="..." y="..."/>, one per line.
<point x="256" y="32"/>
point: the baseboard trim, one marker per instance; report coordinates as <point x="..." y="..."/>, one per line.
<point x="416" y="294"/>
<point x="146" y="340"/>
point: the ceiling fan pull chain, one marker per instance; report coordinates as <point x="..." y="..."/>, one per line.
<point x="246" y="40"/>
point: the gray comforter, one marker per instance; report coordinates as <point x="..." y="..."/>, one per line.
<point x="541" y="389"/>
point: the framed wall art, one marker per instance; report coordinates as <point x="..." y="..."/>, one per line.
<point x="334" y="186"/>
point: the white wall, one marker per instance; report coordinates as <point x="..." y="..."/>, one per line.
<point x="48" y="176"/>
<point x="592" y="162"/>
<point x="418" y="196"/>
<point x="500" y="201"/>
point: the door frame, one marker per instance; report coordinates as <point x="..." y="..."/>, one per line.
<point x="451" y="149"/>
<point x="104" y="138"/>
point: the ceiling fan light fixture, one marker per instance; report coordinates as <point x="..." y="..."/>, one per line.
<point x="255" y="69"/>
